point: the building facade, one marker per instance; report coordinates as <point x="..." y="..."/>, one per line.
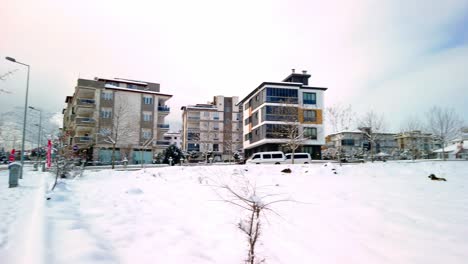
<point x="350" y="144"/>
<point x="212" y="130"/>
<point x="415" y="144"/>
<point x="174" y="138"/>
<point x="119" y="116"/>
<point x="274" y="109"/>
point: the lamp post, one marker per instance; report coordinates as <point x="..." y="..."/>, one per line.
<point x="39" y="132"/>
<point x="25" y="113"/>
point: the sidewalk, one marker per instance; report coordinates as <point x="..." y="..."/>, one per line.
<point x="22" y="218"/>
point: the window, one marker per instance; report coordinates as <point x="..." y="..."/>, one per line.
<point x="206" y="114"/>
<point x="281" y="95"/>
<point x="277" y="156"/>
<point x="148" y="100"/>
<point x="193" y="136"/>
<point x="309" y="98"/>
<point x="106" y="113"/>
<point x="277" y="131"/>
<point x="129" y="85"/>
<point x="256" y="156"/>
<point x="347" y="142"/>
<point x="146" y="134"/>
<point x="105" y="131"/>
<point x="216" y="116"/>
<point x="193" y="147"/>
<point x="310" y="132"/>
<point x="107" y="95"/>
<point x="310" y="116"/>
<point x="147" y="116"/>
<point x="280" y="113"/>
<point x="215" y="147"/>
<point x="248" y="136"/>
<point x="266" y="156"/>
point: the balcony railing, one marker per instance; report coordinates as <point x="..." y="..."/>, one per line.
<point x="164" y="108"/>
<point x="163" y="126"/>
<point x="163" y="142"/>
<point x="85" y="121"/>
<point x="86" y="102"/>
<point x="84" y="139"/>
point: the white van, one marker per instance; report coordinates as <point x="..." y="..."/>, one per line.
<point x="299" y="158"/>
<point x="272" y="157"/>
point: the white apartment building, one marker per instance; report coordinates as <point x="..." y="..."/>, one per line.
<point x="273" y="106"/>
<point x="126" y="113"/>
<point x="173" y="138"/>
<point x="213" y="129"/>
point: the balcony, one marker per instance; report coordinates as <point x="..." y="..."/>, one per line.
<point x="83" y="140"/>
<point x="162" y="143"/>
<point x="85" y="106"/>
<point x="86" y="102"/>
<point x="163" y="109"/>
<point x="85" y="121"/>
<point x="163" y="126"/>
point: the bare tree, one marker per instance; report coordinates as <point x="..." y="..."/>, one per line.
<point x="372" y="124"/>
<point x="292" y="130"/>
<point x="247" y="197"/>
<point x="445" y="124"/>
<point x="229" y="144"/>
<point x="124" y="125"/>
<point x="340" y="117"/>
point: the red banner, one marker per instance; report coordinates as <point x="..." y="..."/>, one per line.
<point x="49" y="153"/>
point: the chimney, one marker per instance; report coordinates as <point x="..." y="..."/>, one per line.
<point x="293" y="70"/>
<point x="304" y="72"/>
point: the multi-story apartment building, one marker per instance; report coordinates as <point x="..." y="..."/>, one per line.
<point x="212" y="129"/>
<point x="352" y="143"/>
<point x="416" y="144"/>
<point x="174" y="138"/>
<point x="119" y="116"/>
<point x="274" y="107"/>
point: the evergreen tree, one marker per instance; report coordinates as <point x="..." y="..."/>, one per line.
<point x="174" y="152"/>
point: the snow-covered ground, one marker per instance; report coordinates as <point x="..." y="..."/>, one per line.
<point x="366" y="213"/>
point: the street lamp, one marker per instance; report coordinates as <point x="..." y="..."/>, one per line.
<point x="25" y="113"/>
<point x="39" y="132"/>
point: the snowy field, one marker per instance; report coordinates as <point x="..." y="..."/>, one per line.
<point x="366" y="213"/>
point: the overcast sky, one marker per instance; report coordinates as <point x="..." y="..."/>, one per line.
<point x="395" y="57"/>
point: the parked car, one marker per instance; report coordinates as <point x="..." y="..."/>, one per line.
<point x="272" y="157"/>
<point x="299" y="158"/>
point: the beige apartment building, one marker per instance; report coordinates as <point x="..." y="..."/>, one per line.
<point x="416" y="144"/>
<point x="212" y="130"/>
<point x="128" y="115"/>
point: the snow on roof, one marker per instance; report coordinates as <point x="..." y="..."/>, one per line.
<point x="133" y="90"/>
<point x="450" y="148"/>
<point x="122" y="80"/>
<point x="357" y="131"/>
